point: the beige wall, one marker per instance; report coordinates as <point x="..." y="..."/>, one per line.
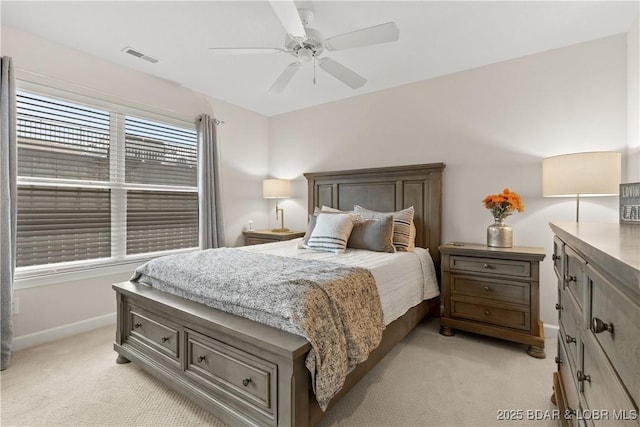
<point x="633" y="103"/>
<point x="492" y="126"/>
<point x="244" y="154"/>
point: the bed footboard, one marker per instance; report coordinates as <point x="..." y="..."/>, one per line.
<point x="243" y="372"/>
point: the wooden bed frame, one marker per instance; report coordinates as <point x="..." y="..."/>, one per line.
<point x="248" y="373"/>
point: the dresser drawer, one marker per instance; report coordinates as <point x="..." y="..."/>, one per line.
<point x="241" y="378"/>
<point x="502" y="267"/>
<point x="570" y="325"/>
<point x="511" y="316"/>
<point x="621" y="346"/>
<point x="490" y="288"/>
<point x="569" y="384"/>
<point x="574" y="274"/>
<point x="603" y="389"/>
<point x="155" y="332"/>
<point x="558" y="256"/>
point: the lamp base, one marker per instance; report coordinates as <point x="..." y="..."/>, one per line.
<point x="280" y="230"/>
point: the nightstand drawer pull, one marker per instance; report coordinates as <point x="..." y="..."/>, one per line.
<point x="246" y="381"/>
<point x="487" y="266"/>
<point x="582" y="377"/>
<point x="487" y="312"/>
<point x="569" y="339"/>
<point x="559" y="307"/>
<point x="598" y="326"/>
<point x="486" y="289"/>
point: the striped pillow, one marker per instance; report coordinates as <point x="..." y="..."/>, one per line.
<point x="404" y="231"/>
<point x="331" y="232"/>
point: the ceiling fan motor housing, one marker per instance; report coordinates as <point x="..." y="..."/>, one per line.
<point x="306" y="50"/>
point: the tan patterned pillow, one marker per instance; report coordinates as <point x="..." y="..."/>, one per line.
<point x="404" y="231"/>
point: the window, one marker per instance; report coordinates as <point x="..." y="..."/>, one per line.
<point x="101" y="185"/>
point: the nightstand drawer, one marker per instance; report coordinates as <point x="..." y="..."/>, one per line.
<point x="494" y="289"/>
<point x="258" y="241"/>
<point x="489" y="265"/>
<point x="510" y="316"/>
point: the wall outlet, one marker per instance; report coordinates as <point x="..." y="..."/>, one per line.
<point x="16" y="306"/>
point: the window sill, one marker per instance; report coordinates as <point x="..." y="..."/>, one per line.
<point x="51" y="275"/>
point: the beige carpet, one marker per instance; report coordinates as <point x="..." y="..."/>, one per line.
<point x="427" y="380"/>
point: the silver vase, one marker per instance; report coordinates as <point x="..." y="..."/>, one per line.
<point x="499" y="235"/>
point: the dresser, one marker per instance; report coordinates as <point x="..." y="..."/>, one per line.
<point x="597" y="382"/>
<point x="268" y="236"/>
<point x="493" y="291"/>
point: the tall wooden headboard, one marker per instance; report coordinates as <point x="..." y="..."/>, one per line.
<point x="385" y="190"/>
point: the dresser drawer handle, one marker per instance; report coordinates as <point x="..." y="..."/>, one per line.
<point x="486" y="289"/>
<point x="487" y="312"/>
<point x="582" y="377"/>
<point x="487" y="266"/>
<point x="555" y="257"/>
<point x="598" y="326"/>
<point x="559" y="306"/>
<point x="568" y="278"/>
<point x="246" y="381"/>
<point x="201" y="359"/>
<point x="165" y="339"/>
<point x="569" y="339"/>
<point x="558" y="360"/>
<point x="137" y="325"/>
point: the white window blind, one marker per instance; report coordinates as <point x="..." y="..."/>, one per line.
<point x="98" y="184"/>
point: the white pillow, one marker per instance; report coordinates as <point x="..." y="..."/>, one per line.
<point x="331" y="232"/>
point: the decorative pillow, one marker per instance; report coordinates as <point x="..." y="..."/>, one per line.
<point x="404" y="231"/>
<point x="331" y="232"/>
<point x="375" y="234"/>
<point x="310" y="226"/>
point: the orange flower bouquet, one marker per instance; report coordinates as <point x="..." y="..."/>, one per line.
<point x="504" y="204"/>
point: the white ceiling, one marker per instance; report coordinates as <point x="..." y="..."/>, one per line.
<point x="436" y="38"/>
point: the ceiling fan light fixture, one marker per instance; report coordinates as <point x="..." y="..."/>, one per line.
<point x="305" y="54"/>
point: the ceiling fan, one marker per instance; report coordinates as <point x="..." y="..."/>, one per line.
<point x="307" y="44"/>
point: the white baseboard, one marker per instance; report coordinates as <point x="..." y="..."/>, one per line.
<point x="63" y="331"/>
<point x="551" y="331"/>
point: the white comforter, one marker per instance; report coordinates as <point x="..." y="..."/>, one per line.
<point x="403" y="279"/>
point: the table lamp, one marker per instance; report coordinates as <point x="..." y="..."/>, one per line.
<point x="277" y="189"/>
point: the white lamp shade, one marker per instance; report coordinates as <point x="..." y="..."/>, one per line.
<point x="586" y="174"/>
<point x="276" y="188"/>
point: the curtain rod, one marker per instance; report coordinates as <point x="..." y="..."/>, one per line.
<point x="103" y="96"/>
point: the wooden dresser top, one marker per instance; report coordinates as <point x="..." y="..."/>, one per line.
<point x="613" y="246"/>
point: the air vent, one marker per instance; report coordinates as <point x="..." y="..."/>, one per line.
<point x="137" y="54"/>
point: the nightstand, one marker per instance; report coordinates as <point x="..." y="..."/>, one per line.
<point x="493" y="291"/>
<point x="267" y="236"/>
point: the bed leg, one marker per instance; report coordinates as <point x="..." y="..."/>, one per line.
<point x="121" y="360"/>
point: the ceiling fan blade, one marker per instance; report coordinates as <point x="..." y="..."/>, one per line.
<point x="342" y="73"/>
<point x="377" y="34"/>
<point x="285" y="78"/>
<point x="244" y="50"/>
<point x="287" y="13"/>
